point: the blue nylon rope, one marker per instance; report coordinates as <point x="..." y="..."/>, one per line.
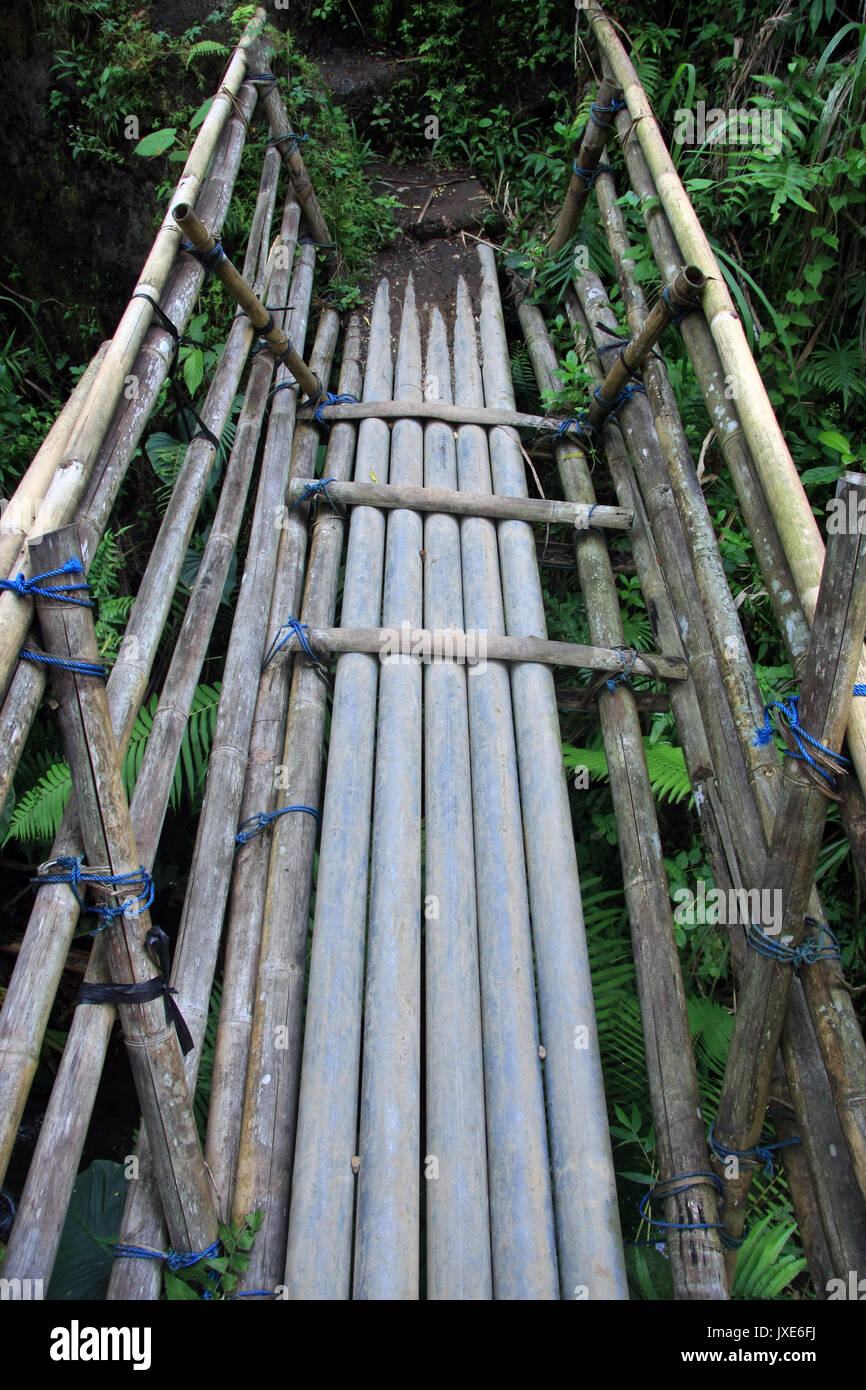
<point x="77" y="668"/>
<point x="688" y="1180"/>
<point x="810" y="949"/>
<point x="581" y="427"/>
<point x="291" y="628"/>
<point x="315" y="489"/>
<point x="174" y="1259"/>
<point x="294" y="140"/>
<point x="760" y="1153"/>
<point x="589" y="176"/>
<point x="74" y="875"/>
<point x="631" y="388"/>
<point x="28" y="588"/>
<point x="676" y="318"/>
<point x="624" y="676"/>
<point x="209" y="259"/>
<point x="595" y="110"/>
<point x="801" y="737"/>
<point x="264" y="818"/>
<point x="329" y="399"/>
<point x="264" y="77"/>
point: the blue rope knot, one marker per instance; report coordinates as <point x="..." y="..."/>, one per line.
<point x="294" y="140"/>
<point x="329" y="399"/>
<point x="589" y="176"/>
<point x="209" y="259"/>
<point x="631" y="388"/>
<point x="761" y="1154"/>
<point x="595" y="111"/>
<point x="676" y="318"/>
<point x="174" y="1259"/>
<point x="789" y="711"/>
<point x="28" y="588"/>
<point x="581" y="427"/>
<point x="76" y="668"/>
<point x="316" y="488"/>
<point x="810" y="949"/>
<point x="264" y="77"/>
<point x="624" y="676"/>
<point x="248" y="828"/>
<point x="290" y="628"/>
<point x="139" y="883"/>
<point x="687" y="1181"/>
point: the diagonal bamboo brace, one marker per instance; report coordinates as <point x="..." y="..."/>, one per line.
<point x="203" y="242"/>
<point x="678" y="297"/>
<point x="151" y="1041"/>
<point x="825" y="702"/>
<point x="588" y="156"/>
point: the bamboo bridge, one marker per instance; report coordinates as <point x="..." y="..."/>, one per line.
<point x="410" y="1090"/>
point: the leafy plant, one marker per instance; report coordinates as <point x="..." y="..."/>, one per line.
<point x="217" y="1276"/>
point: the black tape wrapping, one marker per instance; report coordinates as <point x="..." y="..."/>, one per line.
<point x="141" y="992"/>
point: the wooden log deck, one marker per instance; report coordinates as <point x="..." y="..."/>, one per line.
<point x="407" y="1077"/>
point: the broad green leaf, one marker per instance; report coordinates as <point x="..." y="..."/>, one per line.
<point x="157" y="142"/>
<point x="85" y="1258"/>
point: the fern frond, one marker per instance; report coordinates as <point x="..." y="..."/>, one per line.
<point x="665" y="763"/>
<point x="207" y="48"/>
<point x="763" y="1271"/>
<point x="38" y="813"/>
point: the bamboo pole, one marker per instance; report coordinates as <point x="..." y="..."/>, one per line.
<point x="591" y="1259"/>
<point x="780" y="480"/>
<point x="476" y="646"/>
<point x="388" y="1215"/>
<point x="728" y="818"/>
<point x="38" y="968"/>
<point x="588" y="155"/>
<point x="261" y="318"/>
<point x="319" y="1249"/>
<point x="452" y="414"/>
<point x="71" y="476"/>
<point x="523" y="1236"/>
<point x="41" y="1209"/>
<point x="23" y="506"/>
<point x="152" y="1043"/>
<point x="149" y="372"/>
<point x="267" y="780"/>
<point x="287" y="143"/>
<point x="696" y="1254"/>
<point x="825" y="701"/>
<point x="213" y="859"/>
<point x="457" y="1202"/>
<point x="451" y="502"/>
<point x="681" y="294"/>
<point x="835" y="1023"/>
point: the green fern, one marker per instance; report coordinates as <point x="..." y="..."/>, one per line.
<point x="207" y="48"/>
<point x="838" y="369"/>
<point x="763" y="1271"/>
<point x="38" y="812"/>
<point x="665" y="763"/>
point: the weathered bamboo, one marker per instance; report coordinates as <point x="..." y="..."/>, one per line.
<point x="825" y="701"/>
<point x="696" y="704"/>
<point x="456" y="414"/>
<point x="455" y="1151"/>
<point x="585" y="165"/>
<point x="262" y="320"/>
<point x="319" y="1251"/>
<point x="201" y="923"/>
<point x="476" y="645"/>
<point x="696" y="1255"/>
<point x="591" y="1259"/>
<point x="388" y="1215"/>
<point x="780" y="480"/>
<point x="523" y="1237"/>
<point x="37" y="973"/>
<point x="266" y="777"/>
<point x="680" y="295"/>
<point x="80" y="453"/>
<point x="836" y="1026"/>
<point x="36" y="1235"/>
<point x="451" y="502"/>
<point x="287" y="143"/>
<point x="152" y="1043"/>
<point x="21" y="510"/>
<point x="130" y="418"/>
